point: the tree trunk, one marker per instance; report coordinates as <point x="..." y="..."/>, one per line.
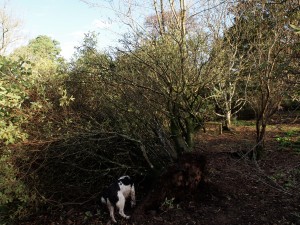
<point x="182" y="131"/>
<point x="177" y="136"/>
<point x="228" y="120"/>
<point x="260" y="139"/>
<point x="190" y="134"/>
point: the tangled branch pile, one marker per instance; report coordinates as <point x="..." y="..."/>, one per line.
<point x="75" y="170"/>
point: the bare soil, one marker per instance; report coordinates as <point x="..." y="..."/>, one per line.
<point x="236" y="190"/>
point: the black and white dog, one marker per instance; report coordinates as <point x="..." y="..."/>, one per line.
<point x="116" y="194"/>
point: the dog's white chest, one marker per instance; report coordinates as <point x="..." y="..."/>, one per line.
<point x="125" y="189"/>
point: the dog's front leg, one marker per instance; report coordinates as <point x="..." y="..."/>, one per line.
<point x="121" y="204"/>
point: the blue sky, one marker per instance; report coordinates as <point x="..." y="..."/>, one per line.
<point x="66" y="21"/>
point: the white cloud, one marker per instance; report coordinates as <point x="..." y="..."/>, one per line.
<point x="67" y="49"/>
<point x="69" y="42"/>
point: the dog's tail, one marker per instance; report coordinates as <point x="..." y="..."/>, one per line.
<point x="104" y="195"/>
<point x="103" y="200"/>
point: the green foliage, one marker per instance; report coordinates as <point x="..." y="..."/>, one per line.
<point x="44" y="55"/>
<point x="65" y="100"/>
<point x="44" y="47"/>
<point x="30" y="97"/>
<point x="14" y="85"/>
<point x="288" y="179"/>
<point x="13" y="92"/>
<point x="244" y="122"/>
<point x="295" y="28"/>
<point x="284" y="141"/>
<point x="15" y="197"/>
<point x="47" y="93"/>
<point x="290" y="139"/>
<point x="167" y="204"/>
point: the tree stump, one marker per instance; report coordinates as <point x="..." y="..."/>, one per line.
<point x="179" y="181"/>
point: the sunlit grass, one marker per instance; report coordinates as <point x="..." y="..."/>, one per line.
<point x="289" y="138"/>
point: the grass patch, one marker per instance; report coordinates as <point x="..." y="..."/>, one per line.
<point x="288" y="179"/>
<point x="290" y="139"/>
<point x="246" y="123"/>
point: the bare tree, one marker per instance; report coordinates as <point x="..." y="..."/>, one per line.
<point x="270" y="58"/>
<point x="169" y="63"/>
<point x="230" y="90"/>
<point x="9" y="27"/>
<point x="173" y="69"/>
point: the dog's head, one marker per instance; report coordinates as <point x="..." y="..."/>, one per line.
<point x="125" y="180"/>
<point x="126" y="185"/>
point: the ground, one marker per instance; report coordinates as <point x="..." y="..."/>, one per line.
<point x="236" y="190"/>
